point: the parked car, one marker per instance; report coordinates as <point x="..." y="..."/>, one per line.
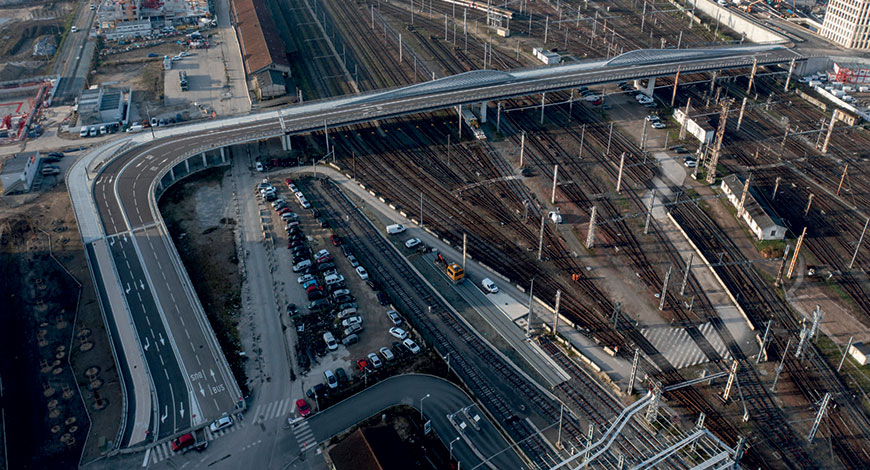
<point x="691" y="163"/>
<point x="375" y="361"/>
<point x="221" y="423"/>
<point x="352" y="260"/>
<point x="318" y="390"/>
<point x="363" y="365"/>
<point x="397" y="332"/>
<point x="331" y="379"/>
<point x="394" y="317"/>
<point x="317" y="305"/>
<point x="395" y="228"/>
<point x="652" y="118"/>
<point x="305" y="278"/>
<point x="350" y="339"/>
<point x="344" y="299"/>
<point x="278" y="202"/>
<point x="329" y="339"/>
<point x="302" y="406"/>
<point x="383" y="299"/>
<point x="355" y="320"/>
<point x="352" y="329"/>
<point x="341" y="375"/>
<point x="336" y="240"/>
<point x="302" y="265"/>
<point x="658" y="125"/>
<point x="489" y="286"/>
<point x="340" y="292"/>
<point x="412" y="243"/>
<point x="316" y="295"/>
<point x="388" y="355"/>
<point x="182" y="442"/>
<point x="411" y="345"/>
<point x="362" y="273"/>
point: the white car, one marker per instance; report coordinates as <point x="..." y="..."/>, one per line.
<point x="658" y="125"/>
<point x="260" y="167"/>
<point x="652" y="118"/>
<point x="388" y="355"/>
<point x="375" y="360"/>
<point x="394" y="317"/>
<point x="341" y="292"/>
<point x="362" y="273"/>
<point x="691" y="163"/>
<point x="331" y="380"/>
<point x="304" y="278"/>
<point x="414" y="242"/>
<point x="355" y="320"/>
<point x="395" y="228"/>
<point x="352" y="260"/>
<point x="489" y="286"/>
<point x="221" y="423"/>
<point x="411" y="345"/>
<point x="277" y="202"/>
<point x="398" y="332"/>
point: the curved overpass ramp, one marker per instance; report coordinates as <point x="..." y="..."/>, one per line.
<point x="175" y="375"/>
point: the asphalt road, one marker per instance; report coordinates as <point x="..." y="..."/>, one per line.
<point x="73" y="62"/>
<point x="442" y="403"/>
<point x="123" y="196"/>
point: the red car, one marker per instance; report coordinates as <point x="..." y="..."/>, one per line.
<point x="288" y="182"/>
<point x="184" y="441"/>
<point x="362" y="364"/>
<point x="283" y="210"/>
<point x="336" y="241"/>
<point x="302" y="406"/>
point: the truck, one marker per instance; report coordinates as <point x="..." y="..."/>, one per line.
<point x="182" y="80"/>
<point x="473" y="124"/>
<point x="194" y="440"/>
<point x="453" y="271"/>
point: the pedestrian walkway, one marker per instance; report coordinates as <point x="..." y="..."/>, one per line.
<point x="304" y="435"/>
<point x="679" y="348"/>
<point x="268" y="411"/>
<point x="163" y="450"/>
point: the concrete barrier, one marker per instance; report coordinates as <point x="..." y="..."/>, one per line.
<point x="736" y="21"/>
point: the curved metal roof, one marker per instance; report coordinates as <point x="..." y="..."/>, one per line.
<point x="652" y="56"/>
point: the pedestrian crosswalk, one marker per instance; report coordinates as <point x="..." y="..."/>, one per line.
<point x="269" y="411"/>
<point x="261" y="413"/>
<point x="304" y="435"/>
<point x="679" y="348"/>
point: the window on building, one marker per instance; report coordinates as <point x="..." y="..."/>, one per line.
<point x="773" y="233"/>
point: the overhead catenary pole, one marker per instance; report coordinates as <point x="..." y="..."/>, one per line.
<point x="543" y="102"/>
<point x="541" y="236"/>
<point x="740" y="117"/>
<point x="421" y="208"/>
<point x="821" y="414"/>
<point x="619" y="176"/>
<point x="845" y="352"/>
<point x="590" y="234"/>
<point x="531" y="299"/>
<point x="610" y="138"/>
<point x="464" y="249"/>
<point x="830" y="131"/>
<point x="842" y="179"/>
<point x="664" y="293"/>
<point x="555" y="180"/>
<point x="633" y="375"/>
<point x="761" y="350"/>
<point x="556" y="312"/>
<point x="809" y="204"/>
<point x="742" y="203"/>
<point x="752" y="76"/>
<point x="676" y="82"/>
<point x="685" y="120"/>
<point x="652" y="201"/>
<point x="732" y="376"/>
<point x="522" y="147"/>
<point x="790" y="71"/>
<point x="400" y="48"/>
<point x="779" y="273"/>
<point x="686" y="274"/>
<point x="797" y="250"/>
<point x="779" y="367"/>
<point x="858" y="246"/>
<point x="776" y="187"/>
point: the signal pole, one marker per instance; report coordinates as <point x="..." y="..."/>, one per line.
<point x="590" y="234"/>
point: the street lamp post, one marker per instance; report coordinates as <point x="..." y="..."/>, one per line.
<point x="451" y="447"/>
<point x="421" y="405"/>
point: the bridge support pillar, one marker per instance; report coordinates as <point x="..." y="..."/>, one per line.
<point x="649" y="88"/>
<point x="223" y="156"/>
<point x="483" y="112"/>
<point x="459" y="121"/>
<point x="172" y="173"/>
<point x="187" y="166"/>
<point x="204" y="160"/>
<point x="286" y="144"/>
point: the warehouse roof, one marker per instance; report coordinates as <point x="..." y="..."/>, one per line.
<point x="754" y="205"/>
<point x="258" y="36"/>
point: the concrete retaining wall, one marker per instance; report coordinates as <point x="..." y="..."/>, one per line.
<point x="735" y="21"/>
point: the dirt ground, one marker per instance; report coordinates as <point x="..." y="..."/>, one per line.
<point x="20" y="28"/>
<point x="53" y="322"/>
<point x="209" y="254"/>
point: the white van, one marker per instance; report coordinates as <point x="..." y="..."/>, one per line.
<point x="395" y="228"/>
<point x="83" y="132"/>
<point x="330" y="341"/>
<point x="333" y="279"/>
<point x="135" y="128"/>
<point x="302" y="265"/>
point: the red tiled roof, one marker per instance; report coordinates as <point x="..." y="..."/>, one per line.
<point x="258" y="36"/>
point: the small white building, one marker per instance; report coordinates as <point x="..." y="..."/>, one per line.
<point x="860" y="352"/>
<point x="760" y="219"/>
<point x="547" y="57"/>
<point x="17" y="173"/>
<point x="698" y="127"/>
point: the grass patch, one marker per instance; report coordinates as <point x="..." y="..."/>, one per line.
<point x="856" y="377"/>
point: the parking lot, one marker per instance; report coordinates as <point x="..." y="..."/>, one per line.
<point x="316" y="257"/>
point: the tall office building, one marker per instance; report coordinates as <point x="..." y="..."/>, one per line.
<point x="847" y="23"/>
